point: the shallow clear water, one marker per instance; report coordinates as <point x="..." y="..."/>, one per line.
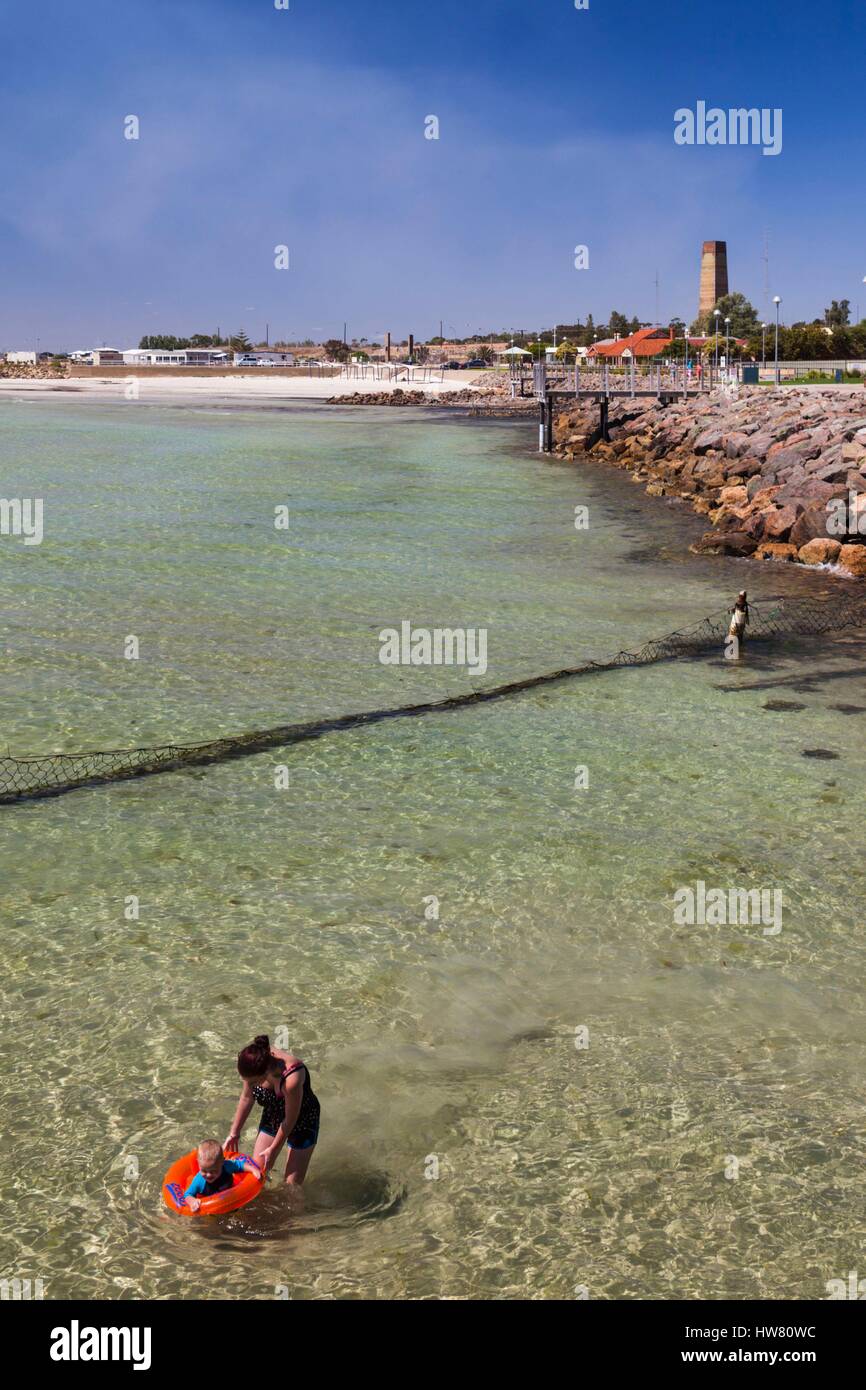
<point x="304" y="909"/>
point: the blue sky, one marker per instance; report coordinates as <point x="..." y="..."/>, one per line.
<point x="305" y="127"/>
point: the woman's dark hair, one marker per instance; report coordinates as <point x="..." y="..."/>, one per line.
<point x="255" y="1059"/>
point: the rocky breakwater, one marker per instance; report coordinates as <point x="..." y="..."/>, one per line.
<point x="397" y="397"/>
<point x="483" y="399"/>
<point x="780" y="474"/>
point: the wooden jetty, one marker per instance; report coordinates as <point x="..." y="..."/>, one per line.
<point x="665" y="384"/>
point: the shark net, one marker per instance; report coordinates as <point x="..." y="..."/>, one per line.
<point x="23" y="779"/>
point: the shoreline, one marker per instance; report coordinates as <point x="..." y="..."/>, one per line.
<point x="244" y="388"/>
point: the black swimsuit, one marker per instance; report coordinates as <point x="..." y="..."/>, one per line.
<point x="306" y="1130"/>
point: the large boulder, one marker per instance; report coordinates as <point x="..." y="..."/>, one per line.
<point x="758" y="485"/>
<point x="810" y="525"/>
<point x="820" y="552"/>
<point x="732" y="496"/>
<point x="709" y="439"/>
<point x="782" y="456"/>
<point x="745" y="467"/>
<point x="778" y="523"/>
<point x="830" y="472"/>
<point x="775" y="550"/>
<point x="800" y="492"/>
<point x="853" y="559"/>
<point x="736" y="444"/>
<point x="725" y="543"/>
<point x="760" y="444"/>
<point x="765" y="496"/>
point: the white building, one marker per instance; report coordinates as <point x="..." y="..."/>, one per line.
<point x="266" y="358"/>
<point x="206" y="357"/>
<point x="153" y="357"/>
<point x="22" y="357"/>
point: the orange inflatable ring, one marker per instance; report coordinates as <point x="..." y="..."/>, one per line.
<point x="245" y="1186"/>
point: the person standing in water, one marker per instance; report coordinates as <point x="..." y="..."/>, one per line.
<point x="280" y="1083"/>
<point x="739" y="621"/>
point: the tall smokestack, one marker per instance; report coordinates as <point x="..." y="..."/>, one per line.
<point x="714" y="276"/>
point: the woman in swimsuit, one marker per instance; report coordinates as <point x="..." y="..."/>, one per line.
<point x="280" y="1083"/>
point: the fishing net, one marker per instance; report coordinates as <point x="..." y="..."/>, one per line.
<point x="51" y="775"/>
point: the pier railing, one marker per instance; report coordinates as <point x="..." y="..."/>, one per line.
<point x="391" y="372"/>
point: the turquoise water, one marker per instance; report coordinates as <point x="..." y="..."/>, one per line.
<point x="469" y="1148"/>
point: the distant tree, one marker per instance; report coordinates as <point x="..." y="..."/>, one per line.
<point x="239" y="341"/>
<point x="845" y="342"/>
<point x="839" y="313"/>
<point x="484" y="352"/>
<point x="566" y="351"/>
<point x="163" y="342"/>
<point x="618" y="326"/>
<point x="736" y="307"/>
<point x="809" y="343"/>
<point x="336" y="350"/>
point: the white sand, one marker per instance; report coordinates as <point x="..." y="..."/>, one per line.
<point x="260" y="387"/>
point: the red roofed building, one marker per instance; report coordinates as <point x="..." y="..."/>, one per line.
<point x="647" y="342"/>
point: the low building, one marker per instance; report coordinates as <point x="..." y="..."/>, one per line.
<point x="153" y="357"/>
<point x="265" y="358"/>
<point x="102" y="357"/>
<point x="22" y="357"/>
<point x="206" y="357"/>
<point x="646" y="342"/>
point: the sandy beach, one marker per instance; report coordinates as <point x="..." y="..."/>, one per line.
<point x="219" y="388"/>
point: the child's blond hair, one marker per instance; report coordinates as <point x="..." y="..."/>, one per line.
<point x="209" y="1150"/>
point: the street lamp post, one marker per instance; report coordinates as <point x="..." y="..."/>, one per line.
<point x="718" y="314"/>
<point x="777" y="299"/>
<point x="727" y="348"/>
<point x="763" y="347"/>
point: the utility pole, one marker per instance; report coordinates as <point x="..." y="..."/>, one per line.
<point x="267" y="334"/>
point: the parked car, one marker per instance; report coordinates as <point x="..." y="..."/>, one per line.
<point x="476" y="363"/>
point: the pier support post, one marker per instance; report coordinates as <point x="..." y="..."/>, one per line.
<point x="545" y="425"/>
<point x="603" y="407"/>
